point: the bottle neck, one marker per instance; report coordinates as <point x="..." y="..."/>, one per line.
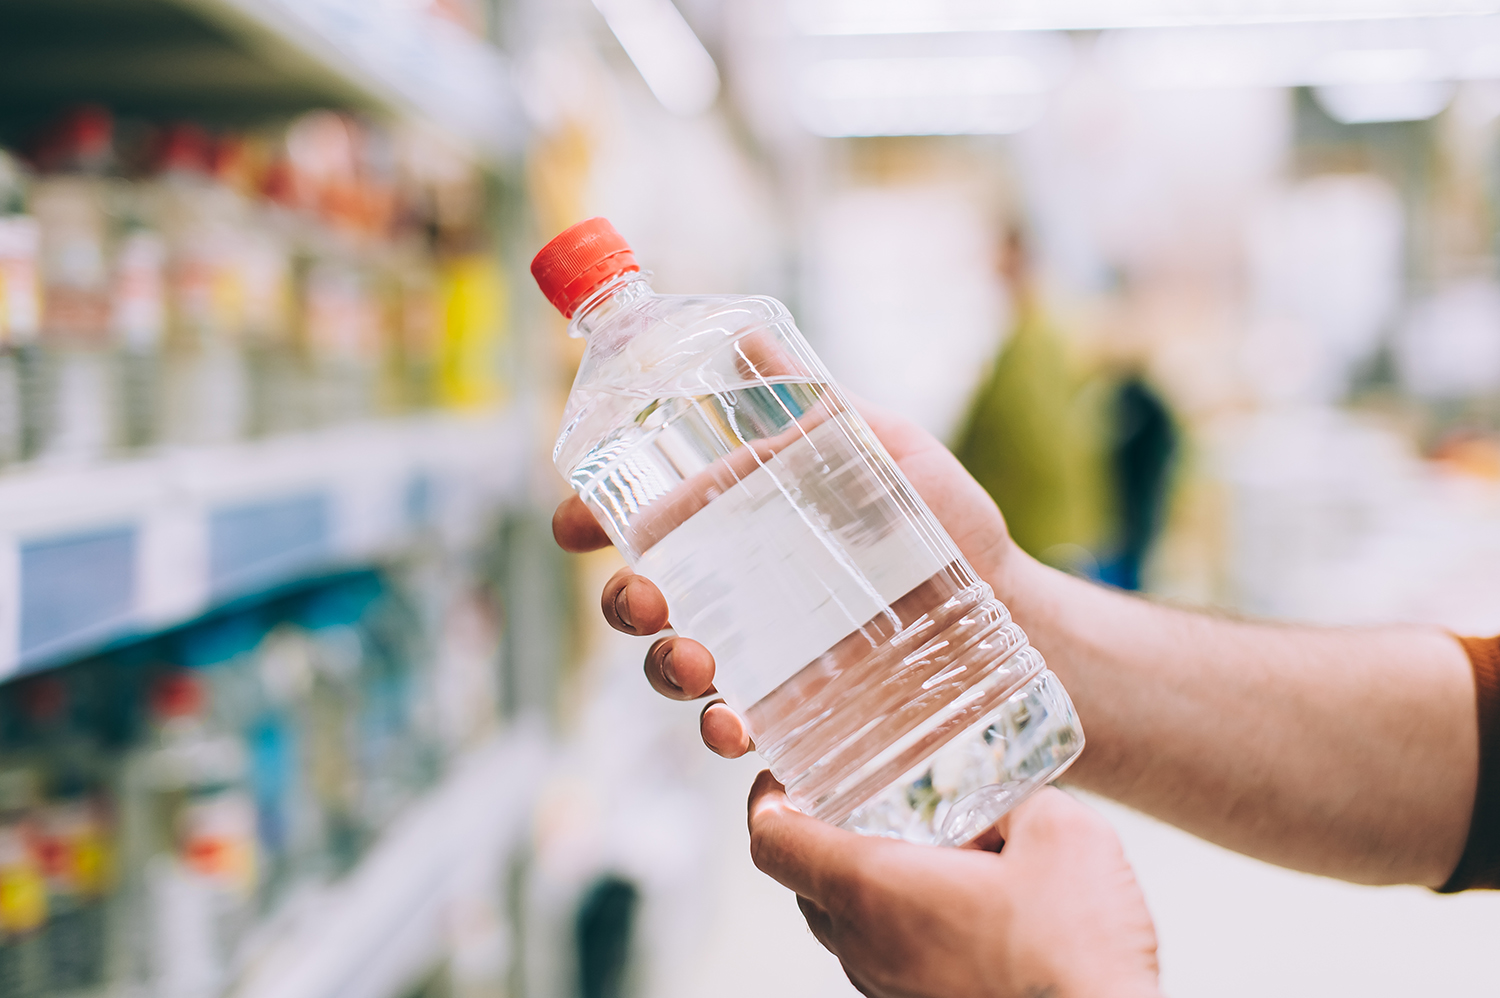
<point x="608" y="299"/>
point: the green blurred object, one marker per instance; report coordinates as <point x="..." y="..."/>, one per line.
<point x="1032" y="437"/>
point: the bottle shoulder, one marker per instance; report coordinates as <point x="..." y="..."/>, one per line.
<point x="706" y="316"/>
<point x="644" y="346"/>
<point x="676" y="346"/>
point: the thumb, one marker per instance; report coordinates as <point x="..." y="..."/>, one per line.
<point x="1049" y="813"/>
<point x="801" y="853"/>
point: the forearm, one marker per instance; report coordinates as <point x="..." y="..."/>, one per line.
<point x="1350" y="753"/>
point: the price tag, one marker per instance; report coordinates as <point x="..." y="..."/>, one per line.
<point x="261" y="543"/>
<point x="76" y="589"/>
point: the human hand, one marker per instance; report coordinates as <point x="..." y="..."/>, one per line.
<point x="683" y="669"/>
<point x="1056" y="913"/>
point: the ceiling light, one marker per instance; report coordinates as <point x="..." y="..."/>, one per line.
<point x="864" y="17"/>
<point x="670" y="58"/>
<point x="942" y="95"/>
<point x="1365" y="103"/>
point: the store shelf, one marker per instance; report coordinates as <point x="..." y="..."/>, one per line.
<point x="237" y="60"/>
<point x="94" y="554"/>
<point x="373" y="934"/>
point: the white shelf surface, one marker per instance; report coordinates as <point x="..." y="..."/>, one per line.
<point x="99" y="553"/>
<point x="375" y="933"/>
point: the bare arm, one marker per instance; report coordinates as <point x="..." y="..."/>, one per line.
<point x="1349" y="753"/>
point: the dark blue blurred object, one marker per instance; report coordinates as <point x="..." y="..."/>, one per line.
<point x="606" y="921"/>
<point x="1141" y="451"/>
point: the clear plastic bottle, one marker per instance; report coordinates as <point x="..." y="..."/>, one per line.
<point x="881" y="680"/>
<point x="70" y="201"/>
<point x="190" y="843"/>
<point x="20" y="316"/>
<point x="74" y="831"/>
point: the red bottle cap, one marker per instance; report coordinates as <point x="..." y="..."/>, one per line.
<point x="572" y="266"/>
<point x="178" y="694"/>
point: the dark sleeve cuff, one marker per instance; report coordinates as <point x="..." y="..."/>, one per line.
<point x="1480" y="865"/>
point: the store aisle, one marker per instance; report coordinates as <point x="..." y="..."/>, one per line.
<point x="759" y="944"/>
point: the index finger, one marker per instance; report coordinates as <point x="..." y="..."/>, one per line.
<point x="575" y="528"/>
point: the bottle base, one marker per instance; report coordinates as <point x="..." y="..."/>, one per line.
<point x="966" y="785"/>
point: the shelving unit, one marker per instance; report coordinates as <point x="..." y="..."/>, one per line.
<point x="221" y="60"/>
<point x="372" y="934"/>
<point x="96" y="554"/>
<point x="99" y="554"/>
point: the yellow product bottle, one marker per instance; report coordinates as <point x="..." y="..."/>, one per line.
<point x="23" y="889"/>
<point x="474" y="301"/>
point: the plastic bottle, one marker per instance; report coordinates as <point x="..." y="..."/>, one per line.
<point x="191" y="844"/>
<point x="23" y="889"/>
<point x="75" y="833"/>
<point x="881" y="680"/>
<point x="20" y="314"/>
<point x="71" y="201"/>
<point x="202" y="222"/>
<point x="138" y="323"/>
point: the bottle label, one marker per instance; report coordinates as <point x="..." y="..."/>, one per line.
<point x="75" y="849"/>
<point x="20" y="283"/>
<point x="217" y="840"/>
<point x="138" y="314"/>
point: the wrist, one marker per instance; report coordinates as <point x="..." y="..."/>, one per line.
<point x="1101" y="982"/>
<point x="1093" y="982"/>
<point x="1027" y="587"/>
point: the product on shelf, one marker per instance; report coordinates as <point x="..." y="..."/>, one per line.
<point x="163" y="284"/>
<point x="70" y="200"/>
<point x="159" y="803"/>
<point x="203" y="222"/>
<point x="75" y="829"/>
<point x="191" y="842"/>
<point x="138" y="320"/>
<point x="23" y="888"/>
<point x="20" y="310"/>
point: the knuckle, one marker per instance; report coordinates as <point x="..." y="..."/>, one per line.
<point x="762" y="848"/>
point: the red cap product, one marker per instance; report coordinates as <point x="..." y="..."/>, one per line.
<point x="177" y="694"/>
<point x="572" y="266"/>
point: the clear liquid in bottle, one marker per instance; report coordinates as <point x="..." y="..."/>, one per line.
<point x="881" y="680"/>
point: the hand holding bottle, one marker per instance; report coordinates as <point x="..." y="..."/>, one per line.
<point x="1056" y="913"/>
<point x="682" y="669"/>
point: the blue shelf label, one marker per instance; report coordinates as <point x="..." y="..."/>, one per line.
<point x="76" y="589"/>
<point x="265" y="542"/>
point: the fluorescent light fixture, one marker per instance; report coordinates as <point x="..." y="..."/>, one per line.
<point x="1364" y="103"/>
<point x="989" y="85"/>
<point x="922" y="96"/>
<point x="900" y="17"/>
<point x="670" y="58"/>
<point x="937" y="77"/>
<point x="1371" y="65"/>
<point x="1327" y="54"/>
<point x="999" y="115"/>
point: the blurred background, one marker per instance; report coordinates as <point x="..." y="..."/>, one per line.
<point x="297" y="698"/>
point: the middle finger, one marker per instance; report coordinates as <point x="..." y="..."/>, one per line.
<point x="680" y="668"/>
<point x="632" y="603"/>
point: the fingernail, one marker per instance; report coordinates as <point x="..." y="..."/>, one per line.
<point x="622" y="606"/>
<point x="666" y="670"/>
